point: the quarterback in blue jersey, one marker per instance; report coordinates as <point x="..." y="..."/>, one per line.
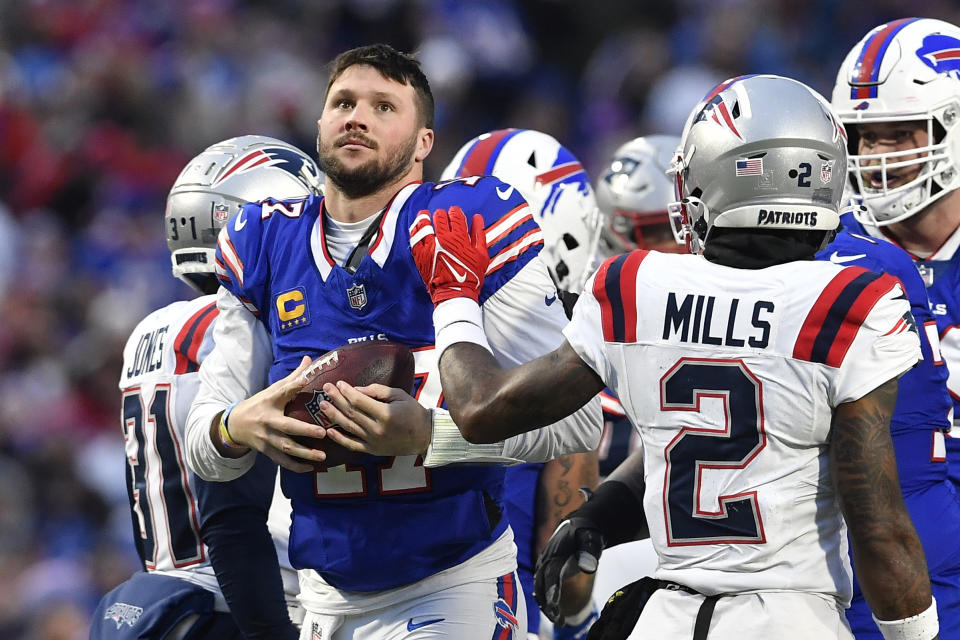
<point x="206" y="547"/>
<point x="387" y="546"/>
<point x="898" y="93"/>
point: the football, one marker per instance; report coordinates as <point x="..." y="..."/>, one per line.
<point x="359" y="364"/>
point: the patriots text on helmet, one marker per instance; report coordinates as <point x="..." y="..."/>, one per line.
<point x="772" y="217"/>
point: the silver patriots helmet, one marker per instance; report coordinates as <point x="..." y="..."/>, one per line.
<point x="215" y="184"/>
<point x="634" y="191"/>
<point x="763" y="152"/>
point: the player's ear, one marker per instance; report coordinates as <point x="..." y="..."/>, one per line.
<point x="424" y="144"/>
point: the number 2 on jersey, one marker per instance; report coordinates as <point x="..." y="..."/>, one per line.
<point x="696" y="450"/>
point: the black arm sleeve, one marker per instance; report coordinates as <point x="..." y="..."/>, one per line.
<point x="617" y="512"/>
<point x="234" y="527"/>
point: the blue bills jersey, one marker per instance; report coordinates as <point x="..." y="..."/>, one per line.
<point x="923" y="403"/>
<point x="940" y="274"/>
<point x="920" y="418"/>
<point x="377" y="523"/>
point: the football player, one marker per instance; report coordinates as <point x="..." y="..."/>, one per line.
<point x="188" y="588"/>
<point x="898" y="93"/>
<point x="387" y="546"/>
<point x="762" y="383"/>
<point x="561" y="200"/>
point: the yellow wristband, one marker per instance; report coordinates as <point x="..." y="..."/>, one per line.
<point x="224" y="433"/>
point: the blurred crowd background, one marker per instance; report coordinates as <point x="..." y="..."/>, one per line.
<point x="103" y="101"/>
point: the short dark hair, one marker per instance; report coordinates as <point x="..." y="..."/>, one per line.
<point x="395" y="65"/>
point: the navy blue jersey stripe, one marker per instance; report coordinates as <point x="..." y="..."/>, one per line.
<point x="837" y="314"/>
<point x="612" y="285"/>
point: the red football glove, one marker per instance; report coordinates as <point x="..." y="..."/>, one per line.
<point x="451" y="260"/>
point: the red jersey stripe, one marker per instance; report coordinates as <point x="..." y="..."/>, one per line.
<point x="628" y="293"/>
<point x="867" y="299"/>
<point x="186" y="346"/>
<point x="600" y="293"/>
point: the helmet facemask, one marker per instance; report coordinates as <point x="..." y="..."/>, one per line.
<point x="936" y="177"/>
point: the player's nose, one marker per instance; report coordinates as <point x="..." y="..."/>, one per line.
<point x="356" y="120"/>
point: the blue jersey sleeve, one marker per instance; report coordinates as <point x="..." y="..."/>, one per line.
<point x="238" y="256"/>
<point x="241" y="257"/>
<point x="513" y="237"/>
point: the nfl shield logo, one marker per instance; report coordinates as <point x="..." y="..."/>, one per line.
<point x="221" y="213"/>
<point x="826" y="171"/>
<point x="358" y="296"/>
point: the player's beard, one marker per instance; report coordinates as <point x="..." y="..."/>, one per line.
<point x="368" y="177"/>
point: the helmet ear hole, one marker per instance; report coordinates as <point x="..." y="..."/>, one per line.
<point x="570" y="242"/>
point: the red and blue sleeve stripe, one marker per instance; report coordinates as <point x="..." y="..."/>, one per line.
<point x="615" y="288"/>
<point x="186" y="347"/>
<point x="867" y="69"/>
<point x="480" y="158"/>
<point x="836" y="316"/>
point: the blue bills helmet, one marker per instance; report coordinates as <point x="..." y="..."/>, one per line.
<point x="554" y="184"/>
<point x="907" y="70"/>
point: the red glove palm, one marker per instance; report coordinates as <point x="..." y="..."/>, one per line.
<point x="452" y="260"/>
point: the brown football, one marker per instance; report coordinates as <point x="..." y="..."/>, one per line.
<point x="359" y="364"/>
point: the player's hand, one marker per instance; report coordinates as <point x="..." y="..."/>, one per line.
<point x="452" y="260"/>
<point x="575" y="546"/>
<point x="259" y="423"/>
<point x="376" y="419"/>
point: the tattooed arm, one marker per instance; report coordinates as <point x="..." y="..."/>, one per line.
<point x="886" y="551"/>
<point x="490" y="403"/>
<point x="558" y="495"/>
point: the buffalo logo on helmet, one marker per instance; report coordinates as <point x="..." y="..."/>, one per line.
<point x="282" y="158"/>
<point x="941" y="53"/>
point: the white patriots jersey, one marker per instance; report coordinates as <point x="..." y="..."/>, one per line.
<point x="731" y="377"/>
<point x="158" y="383"/>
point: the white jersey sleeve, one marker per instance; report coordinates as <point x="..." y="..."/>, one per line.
<point x="523" y="321"/>
<point x="885" y="347"/>
<point x="237" y="367"/>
